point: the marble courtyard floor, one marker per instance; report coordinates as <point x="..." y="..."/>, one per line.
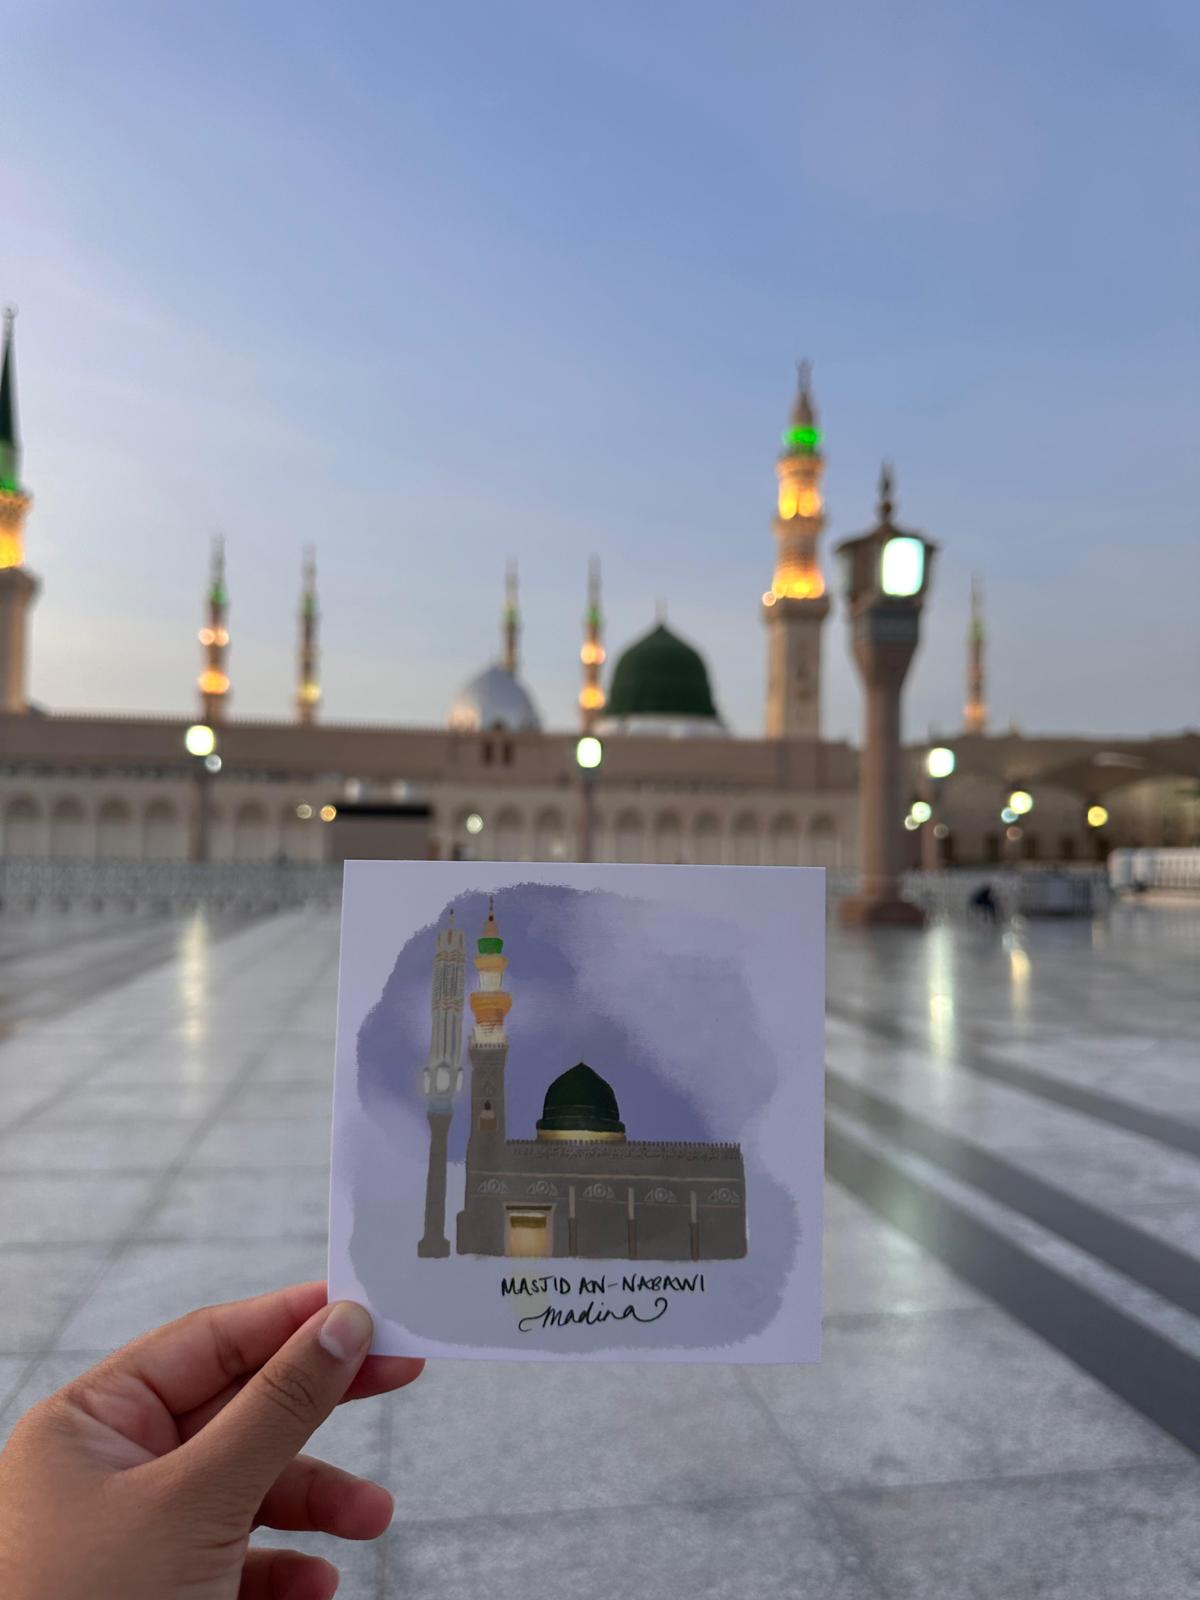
<point x="1009" y="1401"/>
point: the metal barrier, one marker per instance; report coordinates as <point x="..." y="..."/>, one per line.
<point x="250" y="887"/>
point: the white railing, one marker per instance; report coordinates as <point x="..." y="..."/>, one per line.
<point x="1154" y="869"/>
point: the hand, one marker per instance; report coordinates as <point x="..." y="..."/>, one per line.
<point x="143" y="1478"/>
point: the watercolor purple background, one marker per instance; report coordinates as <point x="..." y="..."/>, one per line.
<point x="697" y="993"/>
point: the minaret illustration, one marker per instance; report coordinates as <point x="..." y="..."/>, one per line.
<point x="18" y="586"/>
<point x="796" y="605"/>
<point x="488" y="1053"/>
<point x="308" y="686"/>
<point x="213" y="682"/>
<point x="591" y="652"/>
<point x="975" y="711"/>
<point x="442" y="1077"/>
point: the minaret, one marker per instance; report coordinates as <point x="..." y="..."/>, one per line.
<point x="796" y="605"/>
<point x="18" y="586"/>
<point x="308" y="687"/>
<point x="213" y="682"/>
<point x="511" y="623"/>
<point x="591" y="652"/>
<point x="975" y="710"/>
<point x="442" y="1077"/>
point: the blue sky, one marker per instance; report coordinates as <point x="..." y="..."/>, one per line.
<point x="432" y="286"/>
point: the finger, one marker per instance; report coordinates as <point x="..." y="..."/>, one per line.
<point x="377" y="1375"/>
<point x="188" y="1361"/>
<point x="311" y="1496"/>
<point x="241" y="1452"/>
<point x="287" y="1575"/>
<point x="383" y="1374"/>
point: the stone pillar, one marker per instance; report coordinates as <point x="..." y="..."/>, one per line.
<point x="18" y="590"/>
<point x="434" y="1242"/>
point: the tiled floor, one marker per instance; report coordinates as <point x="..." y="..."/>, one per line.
<point x="163" y="1142"/>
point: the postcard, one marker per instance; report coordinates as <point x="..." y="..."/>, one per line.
<point x="578" y="1110"/>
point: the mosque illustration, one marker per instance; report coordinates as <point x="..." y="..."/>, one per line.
<point x="581" y="1187"/>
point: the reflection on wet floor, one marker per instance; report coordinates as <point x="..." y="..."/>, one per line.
<point x="1012" y="1293"/>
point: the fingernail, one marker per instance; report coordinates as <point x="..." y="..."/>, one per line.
<point x="346" y="1331"/>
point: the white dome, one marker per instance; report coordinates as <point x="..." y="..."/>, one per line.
<point x="494" y="699"/>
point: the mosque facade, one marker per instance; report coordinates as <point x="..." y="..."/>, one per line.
<point x="580" y="1186"/>
<point x="677" y="785"/>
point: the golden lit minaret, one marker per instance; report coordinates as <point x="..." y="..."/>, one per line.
<point x="308" y="686"/>
<point x="510" y="626"/>
<point x="18" y="586"/>
<point x="975" y="710"/>
<point x="591" y="652"/>
<point x="213" y="682"/>
<point x="796" y="605"/>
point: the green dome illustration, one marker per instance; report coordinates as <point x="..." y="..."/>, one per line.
<point x="579" y="1104"/>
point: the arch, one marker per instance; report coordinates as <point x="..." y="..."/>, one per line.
<point x="668" y="838"/>
<point x="68" y="829"/>
<point x="251" y="832"/>
<point x="508" y="843"/>
<point x="22" y="827"/>
<point x="549" y="835"/>
<point x="706" y="840"/>
<point x="162" y="836"/>
<point x="116" y="837"/>
<point x="823" y="850"/>
<point x="747" y="848"/>
<point x="629" y="840"/>
<point x="783" y="842"/>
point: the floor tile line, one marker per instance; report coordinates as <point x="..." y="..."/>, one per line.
<point x="1173" y="1133"/>
<point x="1152" y="1262"/>
<point x="1148" y="1371"/>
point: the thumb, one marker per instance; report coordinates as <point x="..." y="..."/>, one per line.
<point x="245" y="1447"/>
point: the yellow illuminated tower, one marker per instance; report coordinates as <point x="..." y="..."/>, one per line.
<point x="213" y="682"/>
<point x="591" y="652"/>
<point x="796" y="605"/>
<point x="975" y="710"/>
<point x="18" y="586"/>
<point x="308" y="686"/>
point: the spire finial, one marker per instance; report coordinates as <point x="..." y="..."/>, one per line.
<point x="803" y="436"/>
<point x="10" y="449"/>
<point x="511" y="620"/>
<point x="660" y="611"/>
<point x="887" y="491"/>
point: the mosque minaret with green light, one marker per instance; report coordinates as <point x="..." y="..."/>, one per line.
<point x="796" y="605"/>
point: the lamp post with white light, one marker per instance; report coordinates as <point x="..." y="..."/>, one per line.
<point x="200" y="742"/>
<point x="940" y="762"/>
<point x="886" y="578"/>
<point x="589" y="754"/>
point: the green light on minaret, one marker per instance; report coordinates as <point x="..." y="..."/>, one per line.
<point x="805" y="441"/>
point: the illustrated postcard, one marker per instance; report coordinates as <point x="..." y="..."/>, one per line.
<point x="578" y="1111"/>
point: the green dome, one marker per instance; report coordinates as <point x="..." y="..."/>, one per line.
<point x="661" y="676"/>
<point x="580" y="1102"/>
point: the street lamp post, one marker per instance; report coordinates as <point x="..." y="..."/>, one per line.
<point x="887" y="576"/>
<point x="200" y="742"/>
<point x="589" y="754"/>
<point x="939" y="765"/>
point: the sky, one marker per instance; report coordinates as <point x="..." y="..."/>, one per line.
<point x="432" y="287"/>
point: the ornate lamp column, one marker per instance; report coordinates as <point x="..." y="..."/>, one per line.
<point x="442" y="1077"/>
<point x="887" y="572"/>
